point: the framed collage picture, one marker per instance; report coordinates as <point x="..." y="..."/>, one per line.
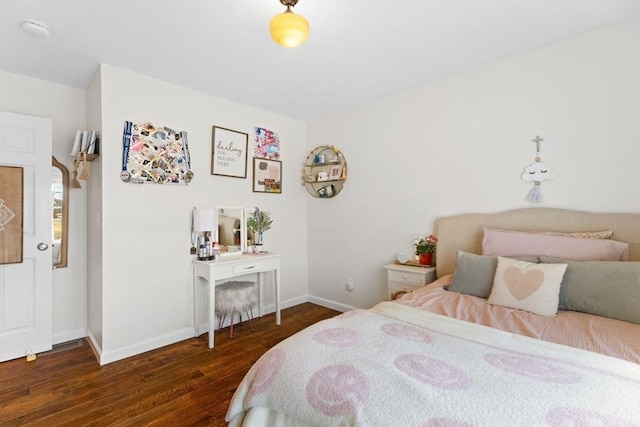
<point x="154" y="154"/>
<point x="267" y="176"/>
<point x="229" y="152"/>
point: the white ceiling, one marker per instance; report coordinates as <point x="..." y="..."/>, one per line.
<point x="357" y="51"/>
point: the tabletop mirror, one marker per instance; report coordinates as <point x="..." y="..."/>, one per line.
<point x="232" y="229"/>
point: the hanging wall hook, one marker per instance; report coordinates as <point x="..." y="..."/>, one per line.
<point x="537" y="140"/>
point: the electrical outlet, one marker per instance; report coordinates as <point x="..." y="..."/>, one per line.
<point x="350" y="284"/>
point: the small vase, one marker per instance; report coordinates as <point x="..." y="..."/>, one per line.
<point x="260" y="243"/>
<point x="425" y="259"/>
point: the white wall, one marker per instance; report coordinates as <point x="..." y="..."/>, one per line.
<point x="460" y="144"/>
<point x="65" y="106"/>
<point x="456" y="145"/>
<point x="146" y="266"/>
<point x="94" y="223"/>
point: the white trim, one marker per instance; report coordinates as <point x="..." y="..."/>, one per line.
<point x="186" y="333"/>
<point x="330" y="304"/>
<point x="69" y="336"/>
<point x="271" y="308"/>
<point x="203" y="328"/>
<point x="146" y="345"/>
<point x="94" y="345"/>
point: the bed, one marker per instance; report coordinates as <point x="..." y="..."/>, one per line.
<point x="449" y="354"/>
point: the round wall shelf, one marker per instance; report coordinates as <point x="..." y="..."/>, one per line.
<point x="324" y="172"/>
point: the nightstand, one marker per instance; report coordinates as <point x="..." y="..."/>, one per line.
<point x="405" y="278"/>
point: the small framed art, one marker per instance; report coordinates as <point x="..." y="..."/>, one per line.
<point x="267" y="176"/>
<point x="229" y="152"/>
<point x="335" y="173"/>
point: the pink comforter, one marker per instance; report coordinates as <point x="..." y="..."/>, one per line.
<point x="581" y="330"/>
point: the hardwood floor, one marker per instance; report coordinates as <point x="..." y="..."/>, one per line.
<point x="184" y="384"/>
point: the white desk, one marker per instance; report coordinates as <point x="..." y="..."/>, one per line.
<point x="230" y="267"/>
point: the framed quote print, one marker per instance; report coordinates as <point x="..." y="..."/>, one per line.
<point x="229" y="152"/>
<point x="267" y="176"/>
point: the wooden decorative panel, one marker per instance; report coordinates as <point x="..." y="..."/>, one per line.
<point x="11" y="186"/>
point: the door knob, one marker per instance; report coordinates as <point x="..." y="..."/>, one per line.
<point x="42" y="246"/>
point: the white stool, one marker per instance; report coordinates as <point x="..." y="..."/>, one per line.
<point x="234" y="297"/>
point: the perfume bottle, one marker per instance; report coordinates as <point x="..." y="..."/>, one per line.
<point x="216" y="250"/>
<point x="207" y="244"/>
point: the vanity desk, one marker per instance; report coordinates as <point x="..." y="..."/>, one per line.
<point x="233" y="267"/>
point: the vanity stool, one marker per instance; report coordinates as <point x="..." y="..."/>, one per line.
<point x="236" y="296"/>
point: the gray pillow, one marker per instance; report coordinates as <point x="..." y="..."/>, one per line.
<point x="604" y="288"/>
<point x="473" y="274"/>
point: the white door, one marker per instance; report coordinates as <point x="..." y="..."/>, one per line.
<point x="25" y="288"/>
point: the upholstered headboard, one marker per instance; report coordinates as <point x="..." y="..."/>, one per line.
<point x="464" y="232"/>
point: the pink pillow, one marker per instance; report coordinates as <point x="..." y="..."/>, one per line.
<point x="518" y="244"/>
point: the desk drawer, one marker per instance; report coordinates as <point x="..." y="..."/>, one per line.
<point x="247" y="267"/>
<point x="407" y="277"/>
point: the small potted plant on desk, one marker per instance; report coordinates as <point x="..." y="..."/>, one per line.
<point x="425" y="248"/>
<point x="258" y="223"/>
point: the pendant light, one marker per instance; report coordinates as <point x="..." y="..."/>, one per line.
<point x="288" y="29"/>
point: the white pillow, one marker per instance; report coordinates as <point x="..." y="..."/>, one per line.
<point x="527" y="286"/>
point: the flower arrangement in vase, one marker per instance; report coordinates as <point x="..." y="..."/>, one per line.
<point x="425" y="248"/>
<point x="259" y="222"/>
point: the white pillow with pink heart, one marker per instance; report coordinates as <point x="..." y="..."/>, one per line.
<point x="527" y="286"/>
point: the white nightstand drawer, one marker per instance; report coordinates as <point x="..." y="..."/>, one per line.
<point x="247" y="267"/>
<point x="406" y="277"/>
<point x="395" y="287"/>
